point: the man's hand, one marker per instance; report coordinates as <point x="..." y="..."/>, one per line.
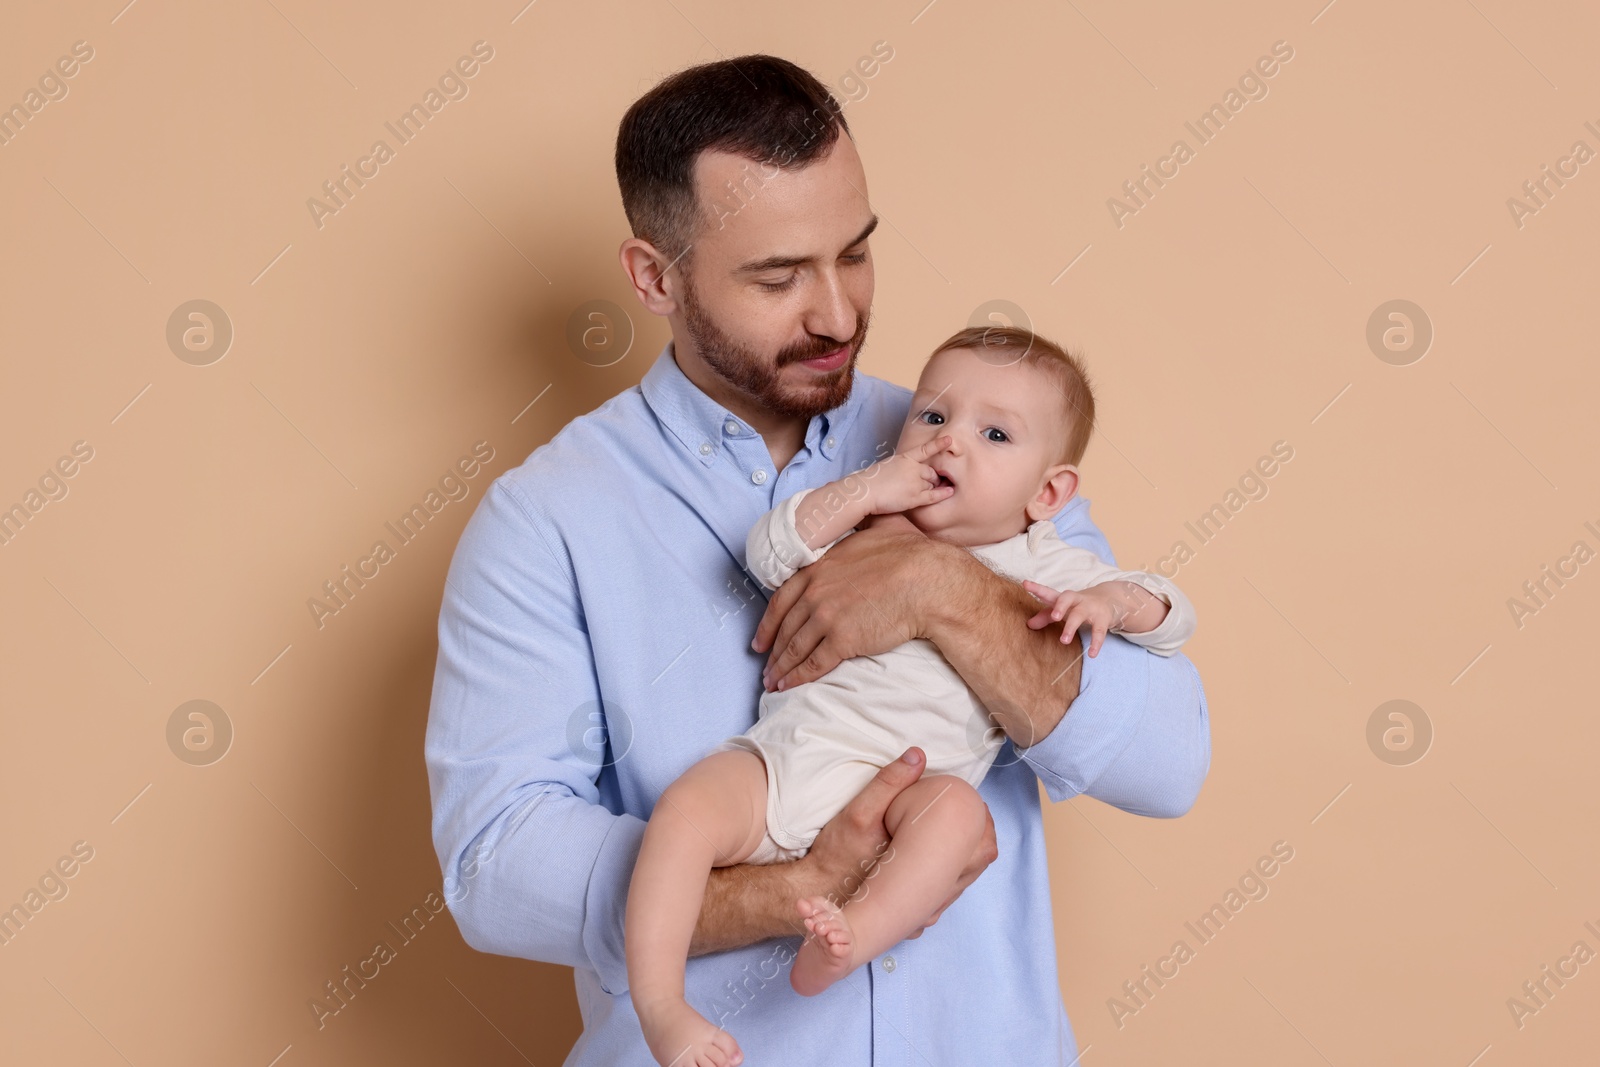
<point x="861" y="599"/>
<point x="745" y="904"/>
<point x="846" y="851"/>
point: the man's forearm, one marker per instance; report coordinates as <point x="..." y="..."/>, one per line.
<point x="1026" y="678"/>
<point x="747" y="903"/>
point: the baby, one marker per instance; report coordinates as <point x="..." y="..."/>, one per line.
<point x="987" y="455"/>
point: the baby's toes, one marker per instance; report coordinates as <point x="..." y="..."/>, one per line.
<point x="815" y="911"/>
<point x="728" y="1049"/>
<point x="809" y="906"/>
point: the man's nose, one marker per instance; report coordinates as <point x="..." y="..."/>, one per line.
<point x="831" y="314"/>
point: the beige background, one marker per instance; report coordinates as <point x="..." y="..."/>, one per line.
<point x="1229" y="313"/>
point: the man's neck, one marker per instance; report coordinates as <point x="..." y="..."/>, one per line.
<point x="784" y="435"/>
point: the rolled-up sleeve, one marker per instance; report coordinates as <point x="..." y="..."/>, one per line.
<point x="534" y="866"/>
<point x="1138" y="735"/>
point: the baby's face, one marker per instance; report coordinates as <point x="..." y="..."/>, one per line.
<point x="1006" y="426"/>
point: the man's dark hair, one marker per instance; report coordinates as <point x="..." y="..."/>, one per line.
<point x="757" y="106"/>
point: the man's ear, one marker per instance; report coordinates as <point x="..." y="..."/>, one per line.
<point x="650" y="275"/>
<point x="1060" y="483"/>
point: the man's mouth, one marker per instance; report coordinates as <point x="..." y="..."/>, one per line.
<point x="829" y="360"/>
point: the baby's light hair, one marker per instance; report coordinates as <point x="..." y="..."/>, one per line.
<point x="1006" y="345"/>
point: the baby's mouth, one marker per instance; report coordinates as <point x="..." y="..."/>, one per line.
<point x="944" y="479"/>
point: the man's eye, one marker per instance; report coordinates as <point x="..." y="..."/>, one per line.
<point x="778" y="287"/>
<point x="859" y="257"/>
<point x="1000" y="435"/>
<point x="932" y="418"/>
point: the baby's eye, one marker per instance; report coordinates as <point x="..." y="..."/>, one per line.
<point x="932" y="418"/>
<point x="999" y="435"/>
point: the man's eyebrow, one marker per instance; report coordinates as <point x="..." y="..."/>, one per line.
<point x="780" y="262"/>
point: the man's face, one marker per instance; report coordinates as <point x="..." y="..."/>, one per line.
<point x="776" y="294"/>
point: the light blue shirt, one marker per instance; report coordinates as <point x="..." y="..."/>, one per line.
<point x="594" y="642"/>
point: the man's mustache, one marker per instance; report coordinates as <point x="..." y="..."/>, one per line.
<point x="820" y="347"/>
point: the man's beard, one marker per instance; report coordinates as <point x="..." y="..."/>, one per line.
<point x="749" y="373"/>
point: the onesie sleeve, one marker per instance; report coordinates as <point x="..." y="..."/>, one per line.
<point x="774" y="549"/>
<point x="1062" y="566"/>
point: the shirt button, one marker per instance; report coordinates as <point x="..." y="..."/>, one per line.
<point x="705" y="448"/>
<point x="730" y="427"/>
<point x="888" y="964"/>
<point x="759" y="477"/>
<point x="829" y="443"/>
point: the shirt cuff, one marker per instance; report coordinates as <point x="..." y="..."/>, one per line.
<point x="1112" y="697"/>
<point x="606" y="903"/>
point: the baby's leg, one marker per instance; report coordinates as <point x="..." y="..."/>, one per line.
<point x="712" y="816"/>
<point x="934" y="825"/>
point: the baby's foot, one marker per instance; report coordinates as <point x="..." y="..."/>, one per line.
<point x="828" y="952"/>
<point x="679" y="1036"/>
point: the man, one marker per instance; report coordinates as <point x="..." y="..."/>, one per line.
<point x="599" y="633"/>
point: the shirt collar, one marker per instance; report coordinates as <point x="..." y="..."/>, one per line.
<point x="702" y="425"/>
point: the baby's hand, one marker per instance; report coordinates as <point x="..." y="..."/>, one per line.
<point x="905" y="480"/>
<point x="1104" y="607"/>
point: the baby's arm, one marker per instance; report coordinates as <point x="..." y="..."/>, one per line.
<point x="1147" y="609"/>
<point x="798" y="531"/>
<point x="897" y="483"/>
<point x="1141" y="610"/>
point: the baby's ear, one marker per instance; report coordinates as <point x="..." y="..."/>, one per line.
<point x="1060" y="484"/>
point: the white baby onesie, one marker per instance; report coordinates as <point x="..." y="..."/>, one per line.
<point x="824" y="740"/>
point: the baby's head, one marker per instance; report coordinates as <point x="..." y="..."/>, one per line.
<point x="1019" y="410"/>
